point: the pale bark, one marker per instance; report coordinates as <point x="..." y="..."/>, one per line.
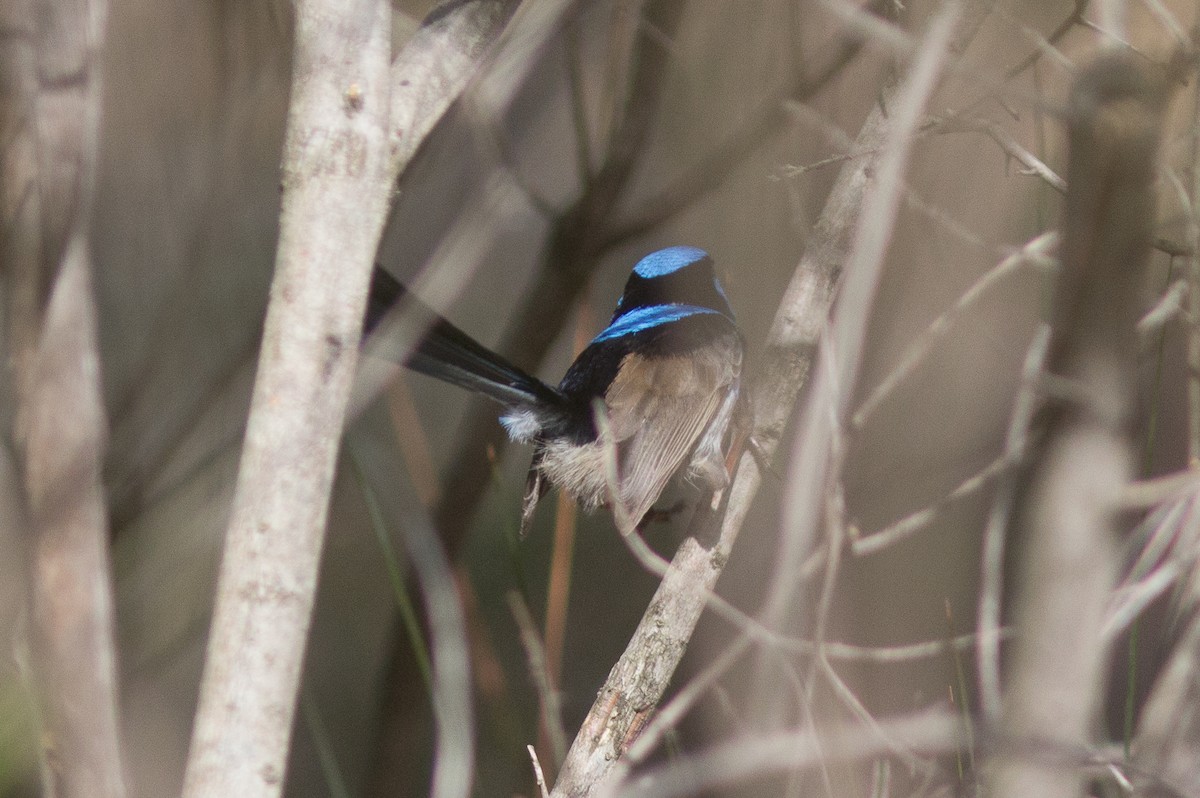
<point x="335" y="194"/>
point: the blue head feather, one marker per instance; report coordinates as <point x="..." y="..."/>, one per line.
<point x="666" y="261"/>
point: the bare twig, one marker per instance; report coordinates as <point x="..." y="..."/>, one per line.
<point x="833" y="651"/>
<point x="335" y="196"/>
<point x="673" y="712"/>
<point x="1168" y="736"/>
<point x="904" y="653"/>
<point x="752" y="757"/>
<point x="1169" y="306"/>
<point x="1130" y="601"/>
<point x="894" y="133"/>
<point x="991" y="566"/>
<point x="49" y="122"/>
<point x="579" y="102"/>
<point x="1038" y="252"/>
<point x="1049" y="43"/>
<point x="919" y="519"/>
<point x="1113" y="20"/>
<point x="1045" y="46"/>
<point x="1008" y="144"/>
<point x="1160" y="534"/>
<point x="640" y="677"/>
<point x="1075" y="479"/>
<point x="454" y="751"/>
<point x="538" y="776"/>
<point x="1169" y="21"/>
<point x="944" y="220"/>
<point x="535" y="655"/>
<point x="753" y="629"/>
<point x="558" y="588"/>
<point x="893" y="745"/>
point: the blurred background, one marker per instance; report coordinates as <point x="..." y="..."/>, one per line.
<point x="636" y="125"/>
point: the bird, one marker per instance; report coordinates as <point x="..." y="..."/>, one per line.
<point x="657" y="392"/>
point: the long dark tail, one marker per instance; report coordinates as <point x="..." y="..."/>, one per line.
<point x="449" y="354"/>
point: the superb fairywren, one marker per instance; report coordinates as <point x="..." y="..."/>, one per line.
<point x="666" y="371"/>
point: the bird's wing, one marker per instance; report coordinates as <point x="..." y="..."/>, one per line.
<point x="658" y="407"/>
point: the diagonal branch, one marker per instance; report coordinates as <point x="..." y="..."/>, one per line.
<point x="640" y="677"/>
<point x="434" y="67"/>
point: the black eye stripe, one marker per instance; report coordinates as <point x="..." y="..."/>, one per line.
<point x="693" y="283"/>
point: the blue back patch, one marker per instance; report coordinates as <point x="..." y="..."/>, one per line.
<point x="646" y="318"/>
<point x="666" y="261"/>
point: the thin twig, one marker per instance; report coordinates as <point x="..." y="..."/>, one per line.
<point x="757" y="756"/>
<point x="919" y="519"/>
<point x="1038" y="252"/>
<point x="1048" y="47"/>
<point x="670" y="715"/>
<point x="894" y="133"/>
<point x="454" y="752"/>
<point x="1064" y="27"/>
<point x="947" y="222"/>
<point x="1045" y="46"/>
<point x="885" y="655"/>
<point x="1129" y="601"/>
<point x="1010" y="146"/>
<point x="893" y="745"/>
<point x="537" y="772"/>
<point x="535" y="656"/>
<point x="579" y="101"/>
<point x="754" y="629"/>
<point x="991" y="579"/>
<point x="558" y="588"/>
<point x="1168" y="739"/>
<point x="835" y="535"/>
<point x="1168" y="307"/>
<point x="1169" y="21"/>
<point x="1162" y="532"/>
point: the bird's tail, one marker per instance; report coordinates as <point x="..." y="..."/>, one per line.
<point x="449" y="354"/>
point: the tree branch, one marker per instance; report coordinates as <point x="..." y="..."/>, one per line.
<point x="49" y="115"/>
<point x="1070" y="505"/>
<point x="336" y="190"/>
<point x="435" y="66"/>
